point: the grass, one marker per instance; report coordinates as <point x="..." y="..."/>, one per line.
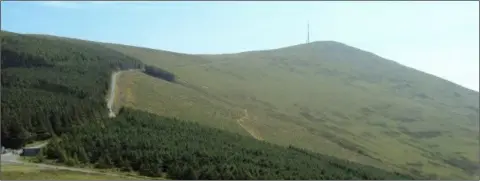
<point x="24" y="172"/>
<point x="326" y="106"/>
<point x="326" y="97"/>
<point x="27" y="172"/>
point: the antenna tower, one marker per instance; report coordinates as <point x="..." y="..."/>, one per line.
<point x="308" y="32"/>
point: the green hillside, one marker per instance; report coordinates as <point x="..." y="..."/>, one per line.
<point x="48" y="86"/>
<point x="155" y="146"/>
<point x="55" y="88"/>
<point x="326" y="97"/>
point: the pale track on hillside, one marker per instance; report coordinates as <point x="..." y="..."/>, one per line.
<point x="111" y="97"/>
<point x="14" y="158"/>
<point x="250" y="131"/>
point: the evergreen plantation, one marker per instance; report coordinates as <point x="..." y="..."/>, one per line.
<point x="322" y="110"/>
<point x="56" y="89"/>
<point x="154" y="145"/>
<point x="50" y="85"/>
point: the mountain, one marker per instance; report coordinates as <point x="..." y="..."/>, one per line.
<point x="323" y="97"/>
<point x="48" y="86"/>
<point x="326" y="97"/>
<point x="54" y="88"/>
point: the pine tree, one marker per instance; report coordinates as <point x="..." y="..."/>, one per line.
<point x="190" y="174"/>
<point x="83" y="156"/>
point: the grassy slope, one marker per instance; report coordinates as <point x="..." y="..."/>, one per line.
<point x="27" y="172"/>
<point x="326" y="97"/>
<point x="177" y="149"/>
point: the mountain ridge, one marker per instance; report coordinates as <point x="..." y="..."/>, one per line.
<point x="311" y="93"/>
<point x="339" y="79"/>
<point x="344" y="103"/>
<point x="301" y="45"/>
<point x="55" y="89"/>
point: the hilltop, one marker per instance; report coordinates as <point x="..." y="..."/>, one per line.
<point x="55" y="88"/>
<point x="324" y="97"/>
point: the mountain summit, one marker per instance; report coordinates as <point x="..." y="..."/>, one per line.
<point x="324" y="97"/>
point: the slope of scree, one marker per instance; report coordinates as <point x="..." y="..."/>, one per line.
<point x="324" y="96"/>
<point x="156" y="146"/>
<point x="48" y="86"/>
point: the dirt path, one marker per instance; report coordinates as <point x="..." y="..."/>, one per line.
<point x="111" y="97"/>
<point x="252" y="132"/>
<point x="10" y="158"/>
<point x="55" y="167"/>
<point x="14" y="158"/>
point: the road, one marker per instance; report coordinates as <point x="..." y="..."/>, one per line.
<point x="10" y="158"/>
<point x="13" y="157"/>
<point x="111" y="97"/>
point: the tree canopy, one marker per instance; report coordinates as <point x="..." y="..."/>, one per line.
<point x="49" y="85"/>
<point x="153" y="146"/>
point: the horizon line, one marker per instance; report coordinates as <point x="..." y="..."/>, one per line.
<point x="242" y="52"/>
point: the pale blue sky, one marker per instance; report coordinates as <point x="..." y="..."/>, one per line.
<point x="441" y="38"/>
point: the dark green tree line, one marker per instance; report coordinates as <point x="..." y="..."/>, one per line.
<point x="159" y="73"/>
<point x="154" y="146"/>
<point x="56" y="87"/>
<point x="50" y="85"/>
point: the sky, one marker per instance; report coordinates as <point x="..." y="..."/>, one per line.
<point x="440" y="38"/>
